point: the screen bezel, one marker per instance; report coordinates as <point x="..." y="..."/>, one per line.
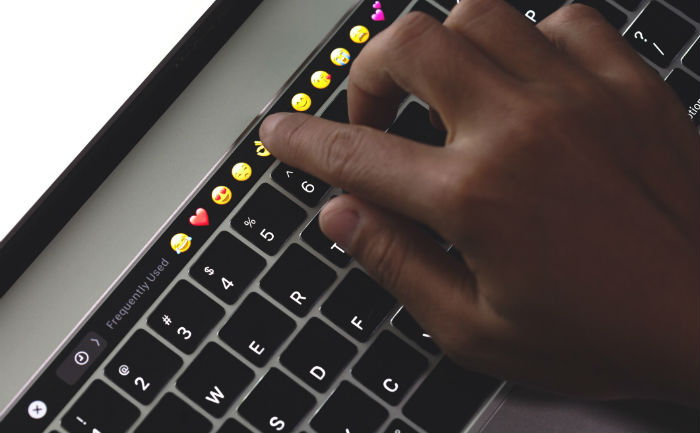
<point x="118" y="136"/>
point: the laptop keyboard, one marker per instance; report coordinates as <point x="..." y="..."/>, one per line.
<point x="242" y="316"/>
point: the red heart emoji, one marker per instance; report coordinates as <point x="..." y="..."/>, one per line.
<point x="200" y="218"/>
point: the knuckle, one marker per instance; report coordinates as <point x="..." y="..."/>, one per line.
<point x="572" y="14"/>
<point x="475" y="9"/>
<point x="408" y="30"/>
<point x="450" y="188"/>
<point x="342" y="153"/>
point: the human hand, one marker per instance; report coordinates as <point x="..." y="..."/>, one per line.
<point x="569" y="181"/>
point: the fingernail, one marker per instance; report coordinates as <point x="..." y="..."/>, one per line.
<point x="339" y="222"/>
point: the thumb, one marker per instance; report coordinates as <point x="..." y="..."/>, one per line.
<point x="435" y="287"/>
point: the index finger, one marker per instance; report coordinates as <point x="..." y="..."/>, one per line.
<point x="387" y="170"/>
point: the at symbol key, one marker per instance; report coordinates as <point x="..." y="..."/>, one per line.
<point x="143" y="366"/>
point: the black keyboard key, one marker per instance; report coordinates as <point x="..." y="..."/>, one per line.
<point x="390" y="367"/>
<point x="447" y="4"/>
<point x="227" y="267"/>
<point x="313" y="235"/>
<point x="659" y="34"/>
<point x="173" y="415"/>
<point x="692" y="58"/>
<point x="536" y="10"/>
<point x="629" y="4"/>
<point x="318" y="354"/>
<point x="268" y="218"/>
<point x="303" y="186"/>
<point x="277" y="403"/>
<point x="297" y="280"/>
<point x="100" y="408"/>
<point x="688" y="7"/>
<point x="358" y="305"/>
<point x="688" y="90"/>
<point x="185" y="316"/>
<point x="414" y="123"/>
<point x="613" y="15"/>
<point x="399" y="426"/>
<point x="425" y="7"/>
<point x="349" y="410"/>
<point x="214" y="379"/>
<point x="448" y="398"/>
<point x="337" y="110"/>
<point x="233" y="426"/>
<point x="143" y="366"/>
<point x="257" y="329"/>
<point x="404" y="322"/>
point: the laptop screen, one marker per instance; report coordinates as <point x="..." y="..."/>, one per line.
<point x="70" y="66"/>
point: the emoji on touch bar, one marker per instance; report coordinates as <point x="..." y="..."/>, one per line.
<point x="221" y="195"/>
<point x="340" y="57"/>
<point x="260" y="149"/>
<point x="378" y="14"/>
<point x="301" y="102"/>
<point x="359" y="34"/>
<point x="320" y="79"/>
<point x="180" y="243"/>
<point x="241" y="171"/>
<point x="200" y="218"/>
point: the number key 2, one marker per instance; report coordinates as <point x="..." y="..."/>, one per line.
<point x="303" y="186"/>
<point x="143" y="366"/>
<point x="268" y="218"/>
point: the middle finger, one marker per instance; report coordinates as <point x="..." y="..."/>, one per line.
<point x="419" y="55"/>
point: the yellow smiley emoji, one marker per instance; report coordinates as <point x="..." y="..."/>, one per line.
<point x="260" y="149"/>
<point x="180" y="243"/>
<point x="320" y="79"/>
<point x="340" y="57"/>
<point x="241" y="171"/>
<point x="221" y="195"/>
<point x="359" y="34"/>
<point x="301" y="102"/>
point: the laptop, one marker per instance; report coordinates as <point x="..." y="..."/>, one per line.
<point x="191" y="289"/>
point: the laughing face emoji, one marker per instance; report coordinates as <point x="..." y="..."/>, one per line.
<point x="180" y="243"/>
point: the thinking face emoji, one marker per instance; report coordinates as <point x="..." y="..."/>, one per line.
<point x="301" y="102"/>
<point x="359" y="34"/>
<point x="241" y="171"/>
<point x="221" y="195"/>
<point x="340" y="57"/>
<point x="180" y="243"/>
<point x="320" y="79"/>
